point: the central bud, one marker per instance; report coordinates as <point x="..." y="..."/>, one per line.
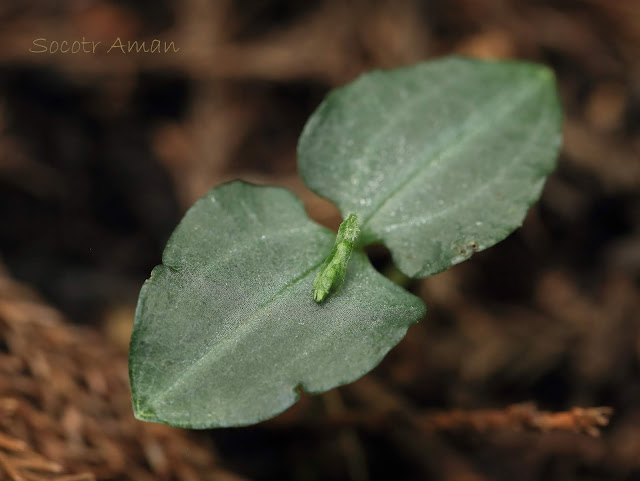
<point x="334" y="268"/>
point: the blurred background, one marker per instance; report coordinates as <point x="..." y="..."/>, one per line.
<point x="101" y="153"/>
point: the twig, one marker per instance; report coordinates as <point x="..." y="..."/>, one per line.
<point x="520" y="417"/>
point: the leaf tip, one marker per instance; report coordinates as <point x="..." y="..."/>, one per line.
<point x="142" y="411"/>
<point x="319" y="294"/>
<point x="546" y="74"/>
<point x="350" y="228"/>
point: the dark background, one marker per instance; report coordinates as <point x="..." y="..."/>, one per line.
<point x="100" y="155"/>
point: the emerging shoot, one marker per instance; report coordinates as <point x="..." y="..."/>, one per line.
<point x="334" y="268"/>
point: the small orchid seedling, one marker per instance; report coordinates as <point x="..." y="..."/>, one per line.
<point x="435" y="161"/>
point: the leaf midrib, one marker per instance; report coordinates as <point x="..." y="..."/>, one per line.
<point x="471" y="194"/>
<point x="247" y="327"/>
<point x="428" y="163"/>
<point x="406" y="110"/>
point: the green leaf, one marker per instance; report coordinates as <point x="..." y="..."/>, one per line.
<point x="439" y="160"/>
<point x="227" y="331"/>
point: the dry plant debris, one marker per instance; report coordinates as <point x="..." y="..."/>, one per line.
<point x="522" y="416"/>
<point x="19" y="463"/>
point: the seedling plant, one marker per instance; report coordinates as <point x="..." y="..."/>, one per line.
<point x="254" y="302"/>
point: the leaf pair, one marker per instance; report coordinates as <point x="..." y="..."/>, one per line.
<point x="438" y="160"/>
